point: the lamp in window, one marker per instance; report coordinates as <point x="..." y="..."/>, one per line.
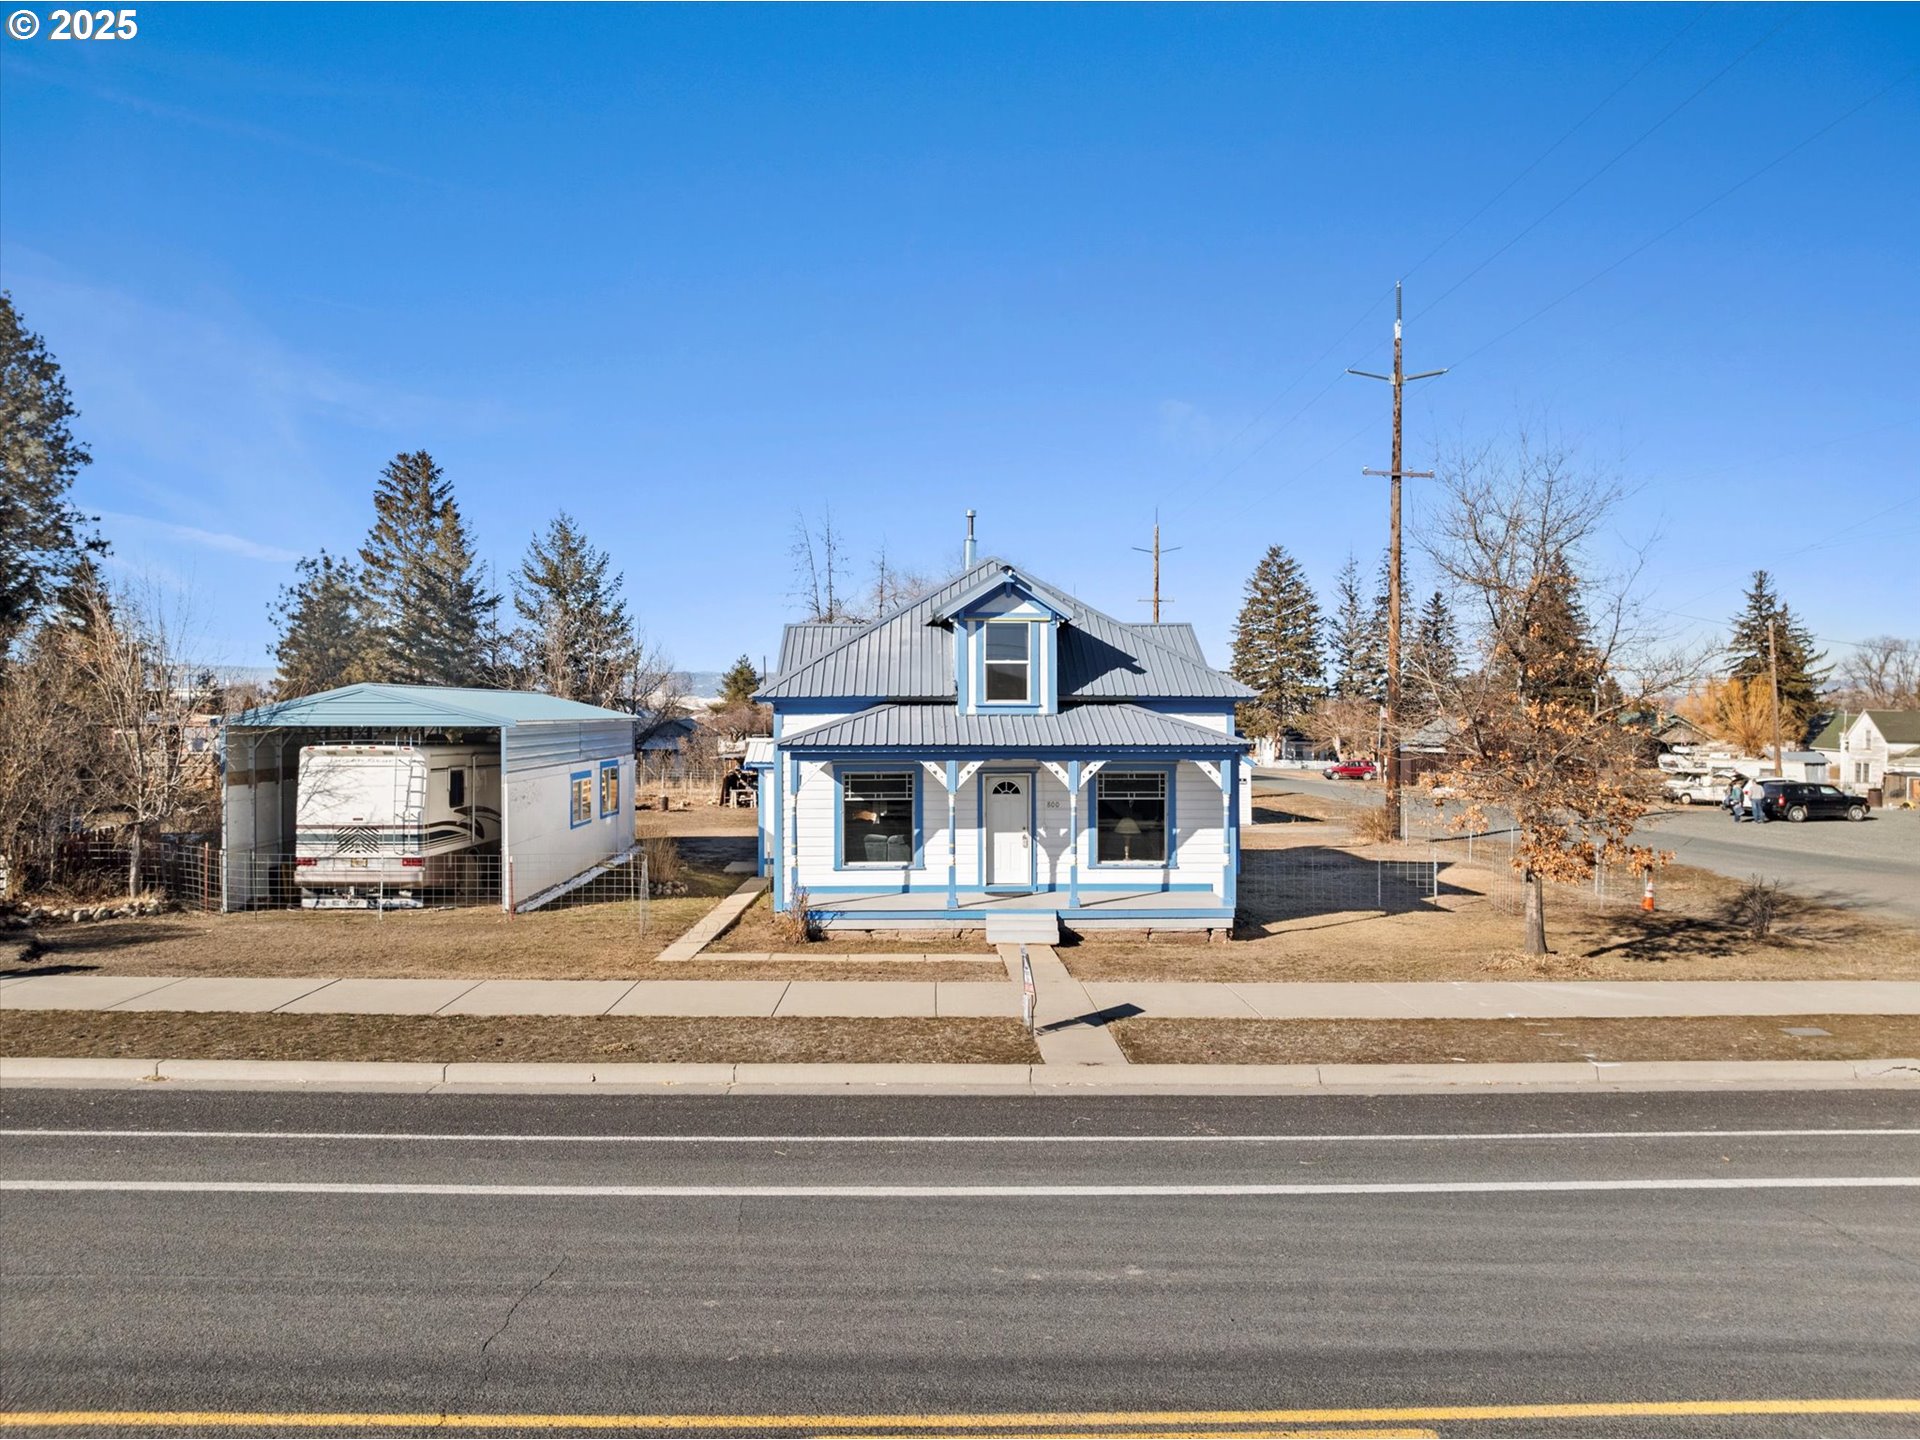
<point x="1126" y="827"/>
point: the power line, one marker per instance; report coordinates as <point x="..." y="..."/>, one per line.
<point x="1633" y="145"/>
<point x="1693" y="215"/>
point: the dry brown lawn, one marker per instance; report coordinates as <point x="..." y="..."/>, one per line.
<point x="1403" y="1042"/>
<point x="1473" y="932"/>
<point x="447" y="1039"/>
<point x="756" y="931"/>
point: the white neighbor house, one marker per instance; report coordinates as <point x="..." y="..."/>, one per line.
<point x="1000" y="754"/>
<point x="1876" y="750"/>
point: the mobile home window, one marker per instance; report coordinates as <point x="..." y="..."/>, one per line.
<point x="581" y="811"/>
<point x="1009" y="665"/>
<point x="876" y="818"/>
<point x="610" y="789"/>
<point x="1130" y="818"/>
<point x="456" y="788"/>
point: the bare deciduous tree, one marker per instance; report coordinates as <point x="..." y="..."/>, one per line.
<point x="1564" y="656"/>
<point x="47" y="757"/>
<point x="819" y="567"/>
<point x="1882" y="673"/>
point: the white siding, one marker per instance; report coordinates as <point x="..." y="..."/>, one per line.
<point x="545" y="848"/>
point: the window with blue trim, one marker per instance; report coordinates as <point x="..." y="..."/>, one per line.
<point x="610" y="788"/>
<point x="1009" y="662"/>
<point x="580" y="806"/>
<point x="1130" y="818"/>
<point x="876" y="817"/>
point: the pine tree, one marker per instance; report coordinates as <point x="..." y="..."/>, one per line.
<point x="42" y="545"/>
<point x="738" y="685"/>
<point x="425" y="603"/>
<point x="321" y="643"/>
<point x="1356" y="639"/>
<point x="1801" y="674"/>
<point x="1433" y="658"/>
<point x="1546" y="652"/>
<point x="578" y="639"/>
<point x="1276" y="644"/>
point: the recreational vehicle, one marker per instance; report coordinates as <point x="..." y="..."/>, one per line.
<point x="382" y="825"/>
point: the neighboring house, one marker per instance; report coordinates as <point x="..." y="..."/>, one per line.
<point x="1001" y="754"/>
<point x="1875" y="750"/>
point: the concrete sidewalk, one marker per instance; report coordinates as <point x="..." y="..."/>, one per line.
<point x="751" y="1079"/>
<point x="1063" y="1000"/>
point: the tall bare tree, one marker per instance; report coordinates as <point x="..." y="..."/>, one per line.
<point x="1561" y="653"/>
<point x="1881" y="673"/>
<point x="820" y="567"/>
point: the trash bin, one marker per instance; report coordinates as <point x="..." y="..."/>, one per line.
<point x="1876" y="797"/>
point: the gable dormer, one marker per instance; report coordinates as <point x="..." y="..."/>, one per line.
<point x="1006" y="646"/>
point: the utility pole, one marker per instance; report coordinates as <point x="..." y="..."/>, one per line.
<point x="1773" y="668"/>
<point x="1398" y="380"/>
<point x="1155" y="552"/>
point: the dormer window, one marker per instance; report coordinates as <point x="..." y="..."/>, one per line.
<point x="1009" y="662"/>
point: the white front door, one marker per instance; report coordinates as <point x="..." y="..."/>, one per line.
<point x="1009" y="846"/>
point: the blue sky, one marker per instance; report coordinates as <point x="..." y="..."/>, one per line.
<point x="686" y="270"/>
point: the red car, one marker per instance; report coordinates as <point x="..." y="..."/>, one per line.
<point x="1351" y="770"/>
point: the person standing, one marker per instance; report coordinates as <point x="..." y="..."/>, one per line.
<point x="1736" y="800"/>
<point x="1757" y="801"/>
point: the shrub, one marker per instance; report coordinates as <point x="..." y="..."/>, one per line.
<point x="799" y="923"/>
<point x="1376" y="826"/>
<point x="664" y="865"/>
<point x="1754" y="906"/>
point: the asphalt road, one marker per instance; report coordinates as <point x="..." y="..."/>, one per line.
<point x="1232" y="1261"/>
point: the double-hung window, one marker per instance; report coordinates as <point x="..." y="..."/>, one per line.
<point x="1130" y="817"/>
<point x="1009" y="662"/>
<point x="876" y="817"/>
<point x="580" y="808"/>
<point x="610" y="788"/>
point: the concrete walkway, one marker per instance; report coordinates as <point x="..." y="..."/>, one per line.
<point x="710" y="926"/>
<point x="1062" y="1008"/>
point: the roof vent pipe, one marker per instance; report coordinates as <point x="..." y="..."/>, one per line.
<point x="967" y="563"/>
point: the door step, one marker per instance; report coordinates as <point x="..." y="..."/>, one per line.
<point x="1023" y="927"/>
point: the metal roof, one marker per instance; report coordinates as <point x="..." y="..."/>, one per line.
<point x="908" y="655"/>
<point x="759" y="752"/>
<point x="1077" y="727"/>
<point x="807" y="640"/>
<point x="420" y="707"/>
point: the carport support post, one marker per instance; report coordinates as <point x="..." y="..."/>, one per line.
<point x="506" y="830"/>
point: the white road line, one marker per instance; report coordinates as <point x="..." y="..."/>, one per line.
<point x="429" y="1138"/>
<point x="951" y="1192"/>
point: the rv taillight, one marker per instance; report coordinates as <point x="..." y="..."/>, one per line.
<point x="306" y="860"/>
<point x="414" y="860"/>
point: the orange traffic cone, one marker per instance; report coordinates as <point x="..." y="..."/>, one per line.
<point x="1646" y="896"/>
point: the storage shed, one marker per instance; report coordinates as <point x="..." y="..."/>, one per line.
<point x="566" y="779"/>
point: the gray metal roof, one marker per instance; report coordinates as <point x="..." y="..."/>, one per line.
<point x="908" y="655"/>
<point x="808" y="640"/>
<point x="420" y="707"/>
<point x="1077" y="727"/>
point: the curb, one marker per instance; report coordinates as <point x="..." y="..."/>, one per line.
<point x="742" y="1079"/>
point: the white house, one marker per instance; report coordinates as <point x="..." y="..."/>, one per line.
<point x="1876" y="750"/>
<point x="1000" y="754"/>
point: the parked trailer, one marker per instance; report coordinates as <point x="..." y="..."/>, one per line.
<point x="381" y="826"/>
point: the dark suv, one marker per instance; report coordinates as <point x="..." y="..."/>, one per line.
<point x="1796" y="800"/>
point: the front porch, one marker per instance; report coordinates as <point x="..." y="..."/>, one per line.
<point x="1155" y="909"/>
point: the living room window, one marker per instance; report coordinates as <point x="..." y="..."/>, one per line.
<point x="1009" y="662"/>
<point x="876" y="817"/>
<point x="1130" y="818"/>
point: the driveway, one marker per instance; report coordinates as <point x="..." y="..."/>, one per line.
<point x="1874" y="865"/>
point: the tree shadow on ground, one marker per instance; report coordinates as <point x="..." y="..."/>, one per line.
<point x="1726" y="931"/>
<point x="1305" y="881"/>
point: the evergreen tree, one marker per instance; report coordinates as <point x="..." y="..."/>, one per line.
<point x="1356" y="639"/>
<point x="738" y="685"/>
<point x="1433" y="659"/>
<point x="1276" y="644"/>
<point x="578" y="639"/>
<point x="1801" y="674"/>
<point x="1546" y="649"/>
<point x="42" y="545"/>
<point x="425" y="603"/>
<point x="321" y="643"/>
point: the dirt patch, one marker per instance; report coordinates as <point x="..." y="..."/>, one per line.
<point x="756" y="932"/>
<point x="1419" y="1042"/>
<point x="460" y="1038"/>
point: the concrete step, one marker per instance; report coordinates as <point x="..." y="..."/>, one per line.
<point x="1024" y="927"/>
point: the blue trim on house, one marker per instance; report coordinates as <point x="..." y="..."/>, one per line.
<point x="1073" y="832"/>
<point x="606" y="765"/>
<point x="1035" y="703"/>
<point x="985" y="890"/>
<point x="573" y="779"/>
<point x="840" y="861"/>
<point x="1171" y="769"/>
<point x="776" y="850"/>
<point x="1230" y="880"/>
<point x="900" y="754"/>
<point x="953" y="832"/>
<point x="1033" y="826"/>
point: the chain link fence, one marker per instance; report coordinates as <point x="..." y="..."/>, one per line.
<point x="198" y="875"/>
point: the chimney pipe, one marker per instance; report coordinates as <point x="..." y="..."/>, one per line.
<point x="968" y="564"/>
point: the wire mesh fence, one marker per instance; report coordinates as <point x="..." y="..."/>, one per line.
<point x="1315" y="880"/>
<point x="198" y="875"/>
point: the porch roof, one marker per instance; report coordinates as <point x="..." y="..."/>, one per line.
<point x="1076" y="727"/>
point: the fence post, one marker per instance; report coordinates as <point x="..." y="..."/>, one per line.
<point x="1379" y="885"/>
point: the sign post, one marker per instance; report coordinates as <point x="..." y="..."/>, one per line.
<point x="1026" y="989"/>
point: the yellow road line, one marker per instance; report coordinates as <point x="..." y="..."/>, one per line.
<point x="1020" y="1421"/>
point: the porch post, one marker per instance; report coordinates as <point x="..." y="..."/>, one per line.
<point x="1230" y="829"/>
<point x="953" y="840"/>
<point x="790" y="847"/>
<point x="1073" y="834"/>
